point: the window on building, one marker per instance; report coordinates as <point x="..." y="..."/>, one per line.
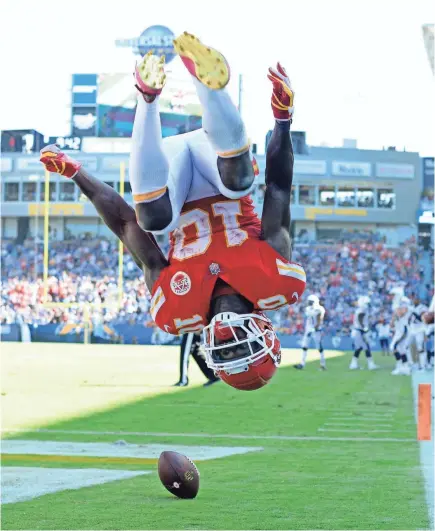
<point x="346" y="196"/>
<point x="293" y="195"/>
<point x="328" y="235"/>
<point x="127" y="188"/>
<point x="386" y="198"/>
<point x="110" y="183"/>
<point x="11" y="191"/>
<point x="306" y="195"/>
<point x="29" y="191"/>
<point x="326" y="195"/>
<point x="67" y="192"/>
<point x="51" y="193"/>
<point x="80" y="228"/>
<point x="365" y="197"/>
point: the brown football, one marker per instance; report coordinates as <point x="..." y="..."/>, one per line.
<point x="178" y="474"/>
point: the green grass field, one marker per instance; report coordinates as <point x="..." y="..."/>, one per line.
<point x="339" y="448"/>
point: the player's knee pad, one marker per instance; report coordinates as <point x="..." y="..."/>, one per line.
<point x="237" y="175"/>
<point x="156" y="215"/>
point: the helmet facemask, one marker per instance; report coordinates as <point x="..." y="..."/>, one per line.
<point x="233" y="342"/>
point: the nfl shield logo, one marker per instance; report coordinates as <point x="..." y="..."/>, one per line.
<point x="180" y="283"/>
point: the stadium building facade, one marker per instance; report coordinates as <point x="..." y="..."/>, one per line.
<point x="336" y="191"/>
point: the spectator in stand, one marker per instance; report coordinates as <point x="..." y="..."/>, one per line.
<point x="85" y="271"/>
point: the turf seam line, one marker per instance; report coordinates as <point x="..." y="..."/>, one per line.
<point x="219" y="436"/>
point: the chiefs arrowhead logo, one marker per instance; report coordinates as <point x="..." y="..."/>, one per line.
<point x="181" y="283"/>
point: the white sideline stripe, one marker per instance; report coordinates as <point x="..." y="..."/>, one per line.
<point x="217" y="436"/>
<point x="360" y="419"/>
<point x="360" y="422"/>
<point x="370" y="410"/>
<point x="356" y="412"/>
<point x="25" y="483"/>
<point x="426" y="447"/>
<point x="363" y="430"/>
<point x="376" y="393"/>
<point x="110" y="449"/>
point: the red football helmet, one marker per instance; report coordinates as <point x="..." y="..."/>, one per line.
<point x="243" y="350"/>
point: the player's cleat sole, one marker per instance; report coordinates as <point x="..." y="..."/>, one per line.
<point x="207" y="64"/>
<point x="150" y="75"/>
<point x="299" y="366"/>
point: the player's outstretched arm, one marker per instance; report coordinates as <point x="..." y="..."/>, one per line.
<point x="279" y="167"/>
<point x="114" y="211"/>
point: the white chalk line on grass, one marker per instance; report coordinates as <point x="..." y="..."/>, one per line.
<point x="218" y="436"/>
<point x="357" y="411"/>
<point x="362" y="430"/>
<point x="360" y="424"/>
<point x="426" y="447"/>
<point x="361" y="419"/>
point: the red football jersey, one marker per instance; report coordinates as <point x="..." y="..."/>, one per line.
<point x="220" y="238"/>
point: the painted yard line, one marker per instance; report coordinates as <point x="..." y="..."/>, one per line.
<point x="361" y="424"/>
<point x="360" y="419"/>
<point x="360" y="413"/>
<point x="118" y="450"/>
<point x="25" y="483"/>
<point x="370" y="410"/>
<point x="218" y="436"/>
<point x="373" y="391"/>
<point x="77" y="459"/>
<point x="363" y="430"/>
<point x="357" y="412"/>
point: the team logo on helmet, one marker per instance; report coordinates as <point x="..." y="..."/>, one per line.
<point x="180" y="283"/>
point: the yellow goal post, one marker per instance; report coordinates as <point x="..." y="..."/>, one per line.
<point x="86" y="307"/>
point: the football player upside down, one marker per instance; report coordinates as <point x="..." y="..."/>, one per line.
<point x="225" y="265"/>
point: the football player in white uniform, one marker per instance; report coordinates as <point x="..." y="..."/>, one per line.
<point x="399" y="343"/>
<point x="360" y="334"/>
<point x="417" y="330"/>
<point x="314" y="316"/>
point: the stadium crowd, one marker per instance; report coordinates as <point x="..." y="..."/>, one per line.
<point x="85" y="271"/>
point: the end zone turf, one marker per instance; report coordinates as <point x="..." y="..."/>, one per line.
<point x="339" y="448"/>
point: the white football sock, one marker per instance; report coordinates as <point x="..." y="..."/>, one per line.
<point x="221" y="121"/>
<point x="422" y="359"/>
<point x="149" y="168"/>
<point x="322" y="359"/>
<point x="304" y="357"/>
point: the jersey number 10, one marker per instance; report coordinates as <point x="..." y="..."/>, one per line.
<point x="200" y="219"/>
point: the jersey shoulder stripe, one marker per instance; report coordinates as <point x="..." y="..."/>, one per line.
<point x="157" y="301"/>
<point x="291" y="270"/>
